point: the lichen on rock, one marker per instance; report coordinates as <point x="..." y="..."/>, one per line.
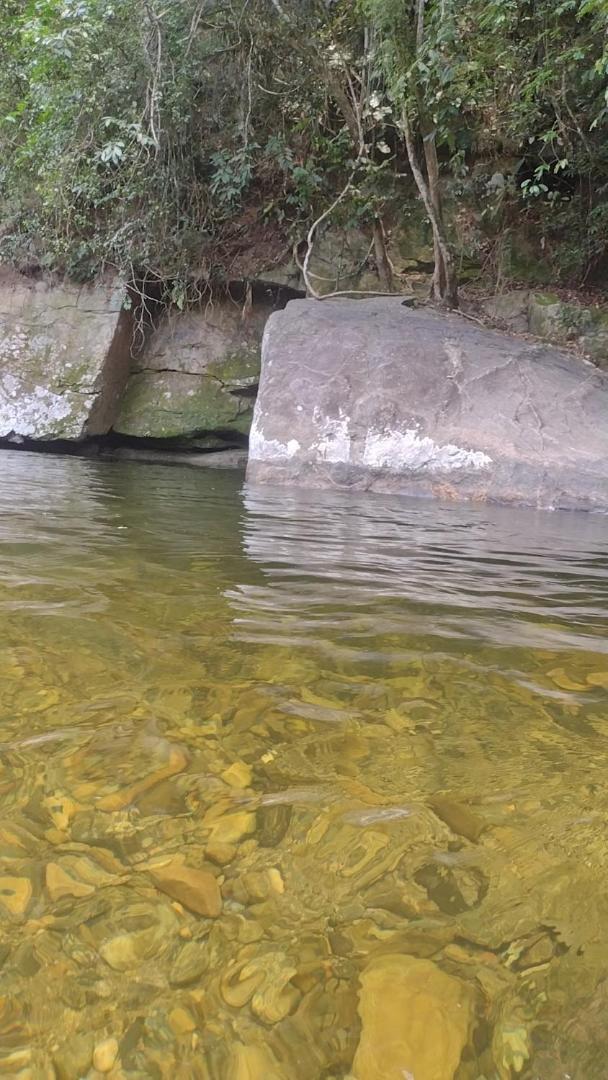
<point x="64" y="357"/>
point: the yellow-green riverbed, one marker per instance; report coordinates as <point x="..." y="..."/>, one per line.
<point x="297" y="786"/>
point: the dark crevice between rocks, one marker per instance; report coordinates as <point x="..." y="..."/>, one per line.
<point x="149" y="303"/>
<point x="249" y="391"/>
<point x="218" y="439"/>
<point x="220" y="449"/>
<point x="262" y="292"/>
<point x="80" y="448"/>
<point x="245" y="391"/>
<point x="217" y="449"/>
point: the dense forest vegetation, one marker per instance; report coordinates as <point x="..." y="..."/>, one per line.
<point x="154" y="136"/>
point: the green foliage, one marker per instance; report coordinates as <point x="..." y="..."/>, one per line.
<point x="147" y="135"/>
<point x="125" y="143"/>
<point x="500" y="78"/>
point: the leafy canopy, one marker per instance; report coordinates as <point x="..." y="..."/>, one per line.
<point x="151" y="135"/>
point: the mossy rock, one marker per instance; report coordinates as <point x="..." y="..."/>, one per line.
<point x="520" y="260"/>
<point x="412" y="241"/>
<point x="339" y="261"/>
<point x="510" y="309"/>
<point x="595" y="339"/>
<point x="198" y="376"/>
<point x="557" y="320"/>
<point x="546" y="316"/>
<point x="173" y="404"/>
<point x="239" y="369"/>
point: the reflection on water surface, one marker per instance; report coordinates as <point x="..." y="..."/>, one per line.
<point x="285" y="775"/>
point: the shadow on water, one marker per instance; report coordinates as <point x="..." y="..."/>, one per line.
<point x="269" y="759"/>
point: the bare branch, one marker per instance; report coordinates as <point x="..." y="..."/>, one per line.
<point x="310" y="239"/>
<point x="420" y="6"/>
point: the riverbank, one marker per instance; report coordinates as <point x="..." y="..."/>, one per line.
<point x="106" y="370"/>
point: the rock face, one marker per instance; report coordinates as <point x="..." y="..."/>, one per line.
<point x="198" y="375"/>
<point x="547" y="316"/>
<point x="560" y="321"/>
<point x="69" y="369"/>
<point x="64" y="358"/>
<point x="372" y="394"/>
<point x="512" y="309"/>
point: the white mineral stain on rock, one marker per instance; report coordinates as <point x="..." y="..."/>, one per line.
<point x="400" y="450"/>
<point x="334" y="443"/>
<point x="30" y="410"/>
<point x="407" y="450"/>
<point x="263" y="449"/>
<point x="53" y="363"/>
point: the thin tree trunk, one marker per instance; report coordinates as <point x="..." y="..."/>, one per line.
<point x="440" y="275"/>
<point x="346" y="107"/>
<point x="444" y="287"/>
<point x="447" y="295"/>
<point x="383" y="263"/>
<point x="352" y="119"/>
<point x="420" y="6"/>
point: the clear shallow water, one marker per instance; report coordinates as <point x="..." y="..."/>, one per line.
<point x="282" y="772"/>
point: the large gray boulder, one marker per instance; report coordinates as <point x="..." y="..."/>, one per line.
<point x="64" y="357"/>
<point x="372" y="394"/>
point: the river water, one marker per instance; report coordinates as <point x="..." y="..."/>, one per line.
<point x="297" y="786"/>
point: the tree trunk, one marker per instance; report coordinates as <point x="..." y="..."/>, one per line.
<point x="383" y="263"/>
<point x="346" y="107"/>
<point x="444" y="285"/>
<point x="444" y="288"/>
<point x="353" y="123"/>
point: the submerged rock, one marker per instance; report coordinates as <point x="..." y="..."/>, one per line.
<point x="132" y="934"/>
<point x="181" y="1021"/>
<point x="73" y="1057"/>
<point x="229" y="828"/>
<point x="373" y="395"/>
<point x="416" y="1021"/>
<point x="190" y="963"/>
<point x="75" y="876"/>
<point x="262" y="978"/>
<point x="105" y="1055"/>
<point x="253" y="1063"/>
<point x="458" y="817"/>
<point x="214" y="459"/>
<point x="197" y="890"/>
<point x="15" y="894"/>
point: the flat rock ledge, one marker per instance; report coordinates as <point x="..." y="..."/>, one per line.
<point x="374" y="395"/>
